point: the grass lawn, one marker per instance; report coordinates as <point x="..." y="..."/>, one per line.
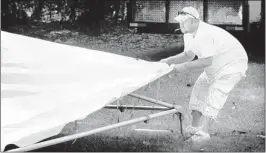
<point x="237" y="127"/>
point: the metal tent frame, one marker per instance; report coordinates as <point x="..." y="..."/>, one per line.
<point x="166" y="109"/>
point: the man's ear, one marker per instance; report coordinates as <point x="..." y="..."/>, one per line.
<point x="194" y="21"/>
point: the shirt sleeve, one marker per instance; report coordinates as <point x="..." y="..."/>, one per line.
<point x="207" y="47"/>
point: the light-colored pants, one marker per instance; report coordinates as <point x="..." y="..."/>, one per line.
<point x="210" y="97"/>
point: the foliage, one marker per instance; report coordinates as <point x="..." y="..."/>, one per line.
<point x="82" y="12"/>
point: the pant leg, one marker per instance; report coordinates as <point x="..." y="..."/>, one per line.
<point x="200" y="91"/>
<point x="209" y="98"/>
<point x="219" y="91"/>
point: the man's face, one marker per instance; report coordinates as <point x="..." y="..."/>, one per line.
<point x="186" y="26"/>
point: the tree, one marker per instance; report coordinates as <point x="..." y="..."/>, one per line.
<point x="38" y="7"/>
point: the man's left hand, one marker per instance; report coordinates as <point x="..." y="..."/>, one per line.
<point x="163" y="61"/>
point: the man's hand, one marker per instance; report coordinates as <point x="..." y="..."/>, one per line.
<point x="179" y="67"/>
<point x="164" y="61"/>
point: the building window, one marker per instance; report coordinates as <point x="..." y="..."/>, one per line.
<point x="225" y="12"/>
<point x="150" y="11"/>
<point x="254" y="11"/>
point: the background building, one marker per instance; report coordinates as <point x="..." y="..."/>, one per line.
<point x="158" y="15"/>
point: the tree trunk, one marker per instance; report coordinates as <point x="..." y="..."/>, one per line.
<point x="73" y="11"/>
<point x="50" y="10"/>
<point x="37" y="13"/>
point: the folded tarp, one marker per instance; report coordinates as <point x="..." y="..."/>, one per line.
<point x="45" y="85"/>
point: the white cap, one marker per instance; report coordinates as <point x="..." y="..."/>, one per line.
<point x="188" y="12"/>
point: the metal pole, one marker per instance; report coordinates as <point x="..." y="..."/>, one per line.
<point x="205" y="11"/>
<point x="167" y="8"/>
<point x="94" y="131"/>
<point x="136" y="107"/>
<point x="245" y="14"/>
<point x="161" y="103"/>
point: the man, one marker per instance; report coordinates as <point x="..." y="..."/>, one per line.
<point x="224" y="61"/>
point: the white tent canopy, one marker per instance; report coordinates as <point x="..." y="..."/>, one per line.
<point x="45" y="85"/>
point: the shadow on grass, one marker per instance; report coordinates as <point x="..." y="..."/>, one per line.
<point x="107" y="143"/>
<point x="139" y="142"/>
